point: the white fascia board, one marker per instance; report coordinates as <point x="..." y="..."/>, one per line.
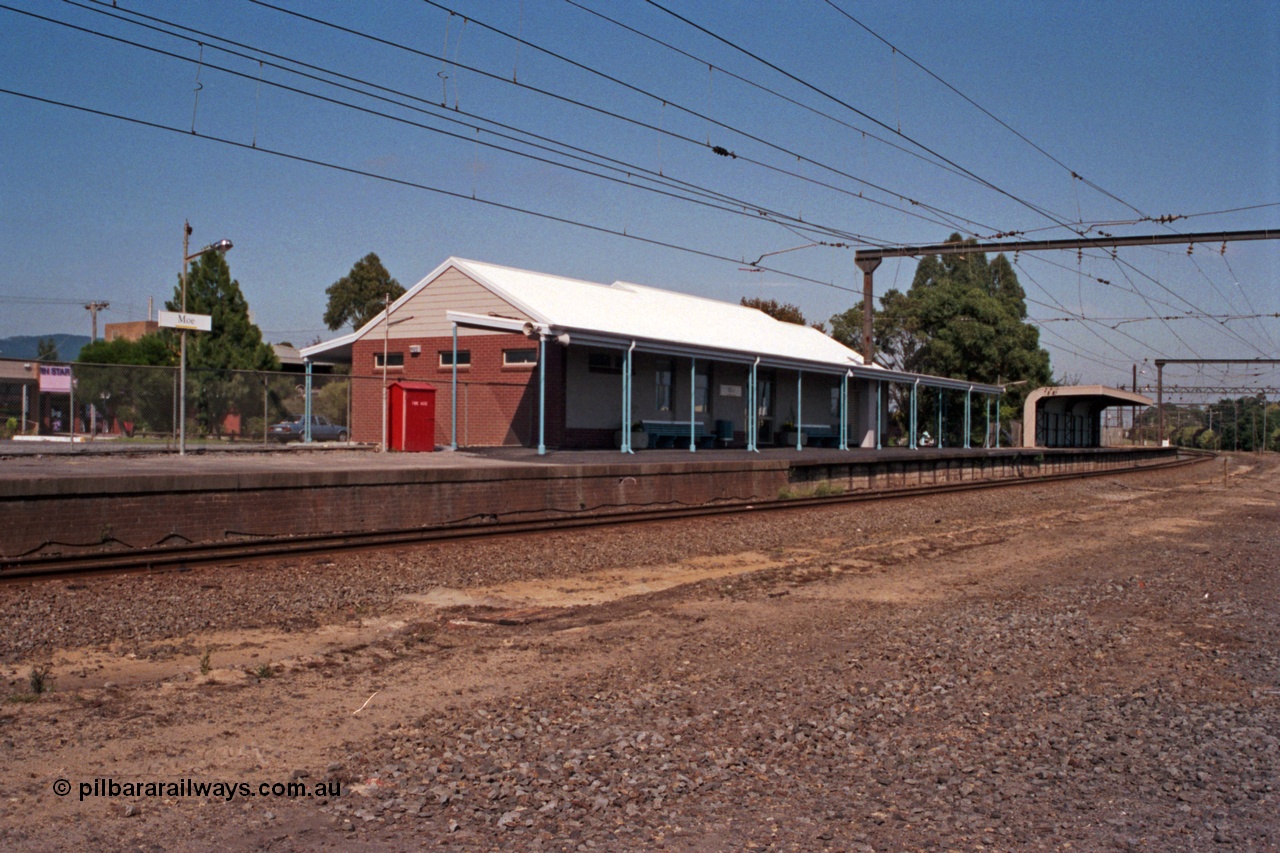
<point x="328" y="346"/>
<point x="486" y="321"/>
<point x="883" y="374"/>
<point x="668" y="348"/>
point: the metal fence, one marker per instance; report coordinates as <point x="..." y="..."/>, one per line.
<point x="140" y="402"/>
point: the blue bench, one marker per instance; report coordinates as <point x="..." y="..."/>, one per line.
<point x="676" y="434"/>
<point x="821" y="435"/>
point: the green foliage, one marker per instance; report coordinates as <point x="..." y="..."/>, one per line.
<point x="206" y="662"/>
<point x="1244" y="424"/>
<point x="235" y="342"/>
<point x="784" y="311"/>
<point x="39" y="679"/>
<point x="331" y="401"/>
<point x="361" y="294"/>
<point x="963" y="318"/>
<point x="154" y="349"/>
<point x="47" y="350"/>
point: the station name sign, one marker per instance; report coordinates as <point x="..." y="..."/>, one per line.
<point x="183" y="320"/>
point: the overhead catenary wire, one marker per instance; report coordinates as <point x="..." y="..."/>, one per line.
<point x="667" y="101"/>
<point x="655" y="128"/>
<point x="710" y="198"/>
<point x="511" y="208"/>
<point x="1053" y="217"/>
<point x="766" y="89"/>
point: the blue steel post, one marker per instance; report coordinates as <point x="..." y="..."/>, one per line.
<point x="626" y="403"/>
<point x="753" y="414"/>
<point x="453" y="397"/>
<point x="542" y="394"/>
<point x="799" y="411"/>
<point x="911" y="443"/>
<point x="879" y="415"/>
<point x="693" y="402"/>
<point x="306" y="408"/>
<point x="968" y="414"/>
<point x="844" y="411"/>
<point x="942" y="402"/>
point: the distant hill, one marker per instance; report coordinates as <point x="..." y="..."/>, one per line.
<point x="25" y="346"/>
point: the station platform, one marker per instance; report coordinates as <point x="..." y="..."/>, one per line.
<point x="72" y="499"/>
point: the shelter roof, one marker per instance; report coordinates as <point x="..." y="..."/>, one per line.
<point x="1098" y="396"/>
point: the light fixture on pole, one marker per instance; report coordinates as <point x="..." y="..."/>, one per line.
<point x="220" y="246"/>
<point x="387" y="323"/>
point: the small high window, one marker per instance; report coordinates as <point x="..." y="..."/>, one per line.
<point x="394" y="359"/>
<point x="605" y="362"/>
<point x="519" y="357"/>
<point x="446" y="358"/>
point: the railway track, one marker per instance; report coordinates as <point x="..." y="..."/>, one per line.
<point x="182" y="557"/>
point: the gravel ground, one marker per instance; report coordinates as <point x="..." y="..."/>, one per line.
<point x="1086" y="666"/>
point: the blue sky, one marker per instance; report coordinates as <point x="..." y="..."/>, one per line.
<point x="1165" y="108"/>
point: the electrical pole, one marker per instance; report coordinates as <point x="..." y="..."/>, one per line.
<point x="93" y="308"/>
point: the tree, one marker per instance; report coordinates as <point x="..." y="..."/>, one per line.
<point x="152" y="349"/>
<point x="361" y="294"/>
<point x="963" y="318"/>
<point x="784" y="311"/>
<point x="234" y="343"/>
<point x="47" y="350"/>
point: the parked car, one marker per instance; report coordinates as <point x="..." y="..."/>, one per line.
<point x="321" y="430"/>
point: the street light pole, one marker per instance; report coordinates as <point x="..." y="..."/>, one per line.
<point x="220" y="246"/>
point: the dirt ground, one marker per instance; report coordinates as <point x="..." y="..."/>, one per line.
<point x="1084" y="666"/>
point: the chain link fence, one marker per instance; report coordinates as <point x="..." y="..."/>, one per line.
<point x="139" y="403"/>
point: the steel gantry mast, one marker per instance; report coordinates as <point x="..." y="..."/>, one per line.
<point x="868" y="259"/>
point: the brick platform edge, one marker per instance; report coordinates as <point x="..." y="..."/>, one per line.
<point x="90" y="514"/>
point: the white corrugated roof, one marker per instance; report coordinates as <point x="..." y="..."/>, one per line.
<point x="623" y="311"/>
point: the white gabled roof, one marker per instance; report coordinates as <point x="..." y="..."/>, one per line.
<point x="622" y="312"/>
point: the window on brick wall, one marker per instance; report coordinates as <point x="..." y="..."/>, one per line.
<point x="446" y="358"/>
<point x="519" y="357"/>
<point x="394" y="360"/>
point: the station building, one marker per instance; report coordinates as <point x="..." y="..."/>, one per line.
<point x="530" y="359"/>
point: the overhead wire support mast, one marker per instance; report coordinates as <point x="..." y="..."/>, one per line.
<point x="1161" y="362"/>
<point x="868" y="259"/>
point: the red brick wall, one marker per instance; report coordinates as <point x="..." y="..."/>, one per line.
<point x="497" y="405"/>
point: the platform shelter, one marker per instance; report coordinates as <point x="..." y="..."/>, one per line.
<point x="1071" y="416"/>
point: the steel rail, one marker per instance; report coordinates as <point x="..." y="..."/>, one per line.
<point x="182" y="557"/>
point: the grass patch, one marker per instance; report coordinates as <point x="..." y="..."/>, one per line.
<point x="825" y="489"/>
<point x="39" y="679"/>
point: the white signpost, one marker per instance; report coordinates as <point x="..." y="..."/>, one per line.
<point x="183" y="320"/>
